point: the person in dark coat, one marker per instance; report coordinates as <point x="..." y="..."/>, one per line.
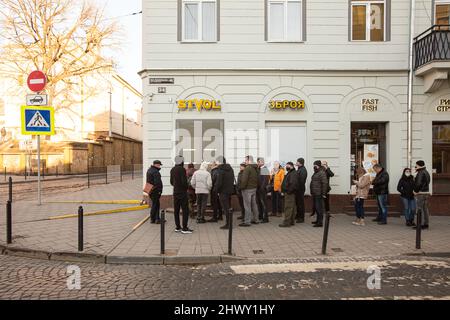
<point x="178" y="180"/>
<point x="154" y="178"/>
<point x="406" y="189"/>
<point x="239" y="191"/>
<point x="215" y="201"/>
<point x="302" y="175"/>
<point x="319" y="189"/>
<point x="290" y="188"/>
<point x="192" y="198"/>
<point x="381" y="190"/>
<point x="422" y="191"/>
<point x="224" y="187"/>
<point x="330" y="174"/>
<point x="261" y="193"/>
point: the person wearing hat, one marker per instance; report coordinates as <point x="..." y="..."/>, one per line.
<point x="300" y="196"/>
<point x="319" y="189"/>
<point x="178" y="179"/>
<point x="154" y="178"/>
<point x="290" y="188"/>
<point x="422" y="192"/>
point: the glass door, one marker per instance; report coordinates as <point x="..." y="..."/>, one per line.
<point x="441" y="157"/>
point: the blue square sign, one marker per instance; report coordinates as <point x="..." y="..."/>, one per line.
<point x="37" y="121"/>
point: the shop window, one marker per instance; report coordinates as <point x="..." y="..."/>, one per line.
<point x="368" y="20"/>
<point x="368" y="146"/>
<point x="442" y="13"/>
<point x="199" y="140"/>
<point x="285" y="20"/>
<point x="199" y="20"/>
<point x="441" y="157"/>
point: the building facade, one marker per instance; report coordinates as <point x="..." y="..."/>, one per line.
<point x="283" y="79"/>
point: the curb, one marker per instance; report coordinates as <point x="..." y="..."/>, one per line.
<point x="97" y="202"/>
<point x="116" y="260"/>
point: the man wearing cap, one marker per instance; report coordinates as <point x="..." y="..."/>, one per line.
<point x="178" y="179"/>
<point x="319" y="190"/>
<point x="302" y="175"/>
<point x="154" y="178"/>
<point x="289" y="188"/>
<point x="422" y="192"/>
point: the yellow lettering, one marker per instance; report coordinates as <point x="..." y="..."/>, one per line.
<point x="182" y="104"/>
<point x="216" y="105"/>
<point x="207" y="104"/>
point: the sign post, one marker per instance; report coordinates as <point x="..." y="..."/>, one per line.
<point x="38" y="121"/>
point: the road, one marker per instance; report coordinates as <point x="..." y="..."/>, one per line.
<point x="319" y="278"/>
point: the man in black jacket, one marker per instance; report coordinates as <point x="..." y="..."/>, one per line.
<point x="330" y="174"/>
<point x="215" y="201"/>
<point x="381" y="190"/>
<point x="319" y="188"/>
<point x="178" y="180"/>
<point x="154" y="178"/>
<point x="224" y="187"/>
<point x="422" y="192"/>
<point x="302" y="174"/>
<point x="290" y="188"/>
<point x="261" y="193"/>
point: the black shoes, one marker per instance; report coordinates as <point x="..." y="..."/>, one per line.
<point x="424" y="227"/>
<point x="187" y="231"/>
<point x="244" y="225"/>
<point x="382" y="223"/>
<point x="201" y="221"/>
<point x="313" y="222"/>
<point x="264" y="221"/>
<point x="255" y="222"/>
<point x="284" y="225"/>
<point x="241" y="218"/>
<point x="318" y="225"/>
<point x="300" y="220"/>
<point x="213" y="220"/>
<point x="225" y="227"/>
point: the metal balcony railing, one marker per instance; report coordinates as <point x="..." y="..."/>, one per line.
<point x="432" y="45"/>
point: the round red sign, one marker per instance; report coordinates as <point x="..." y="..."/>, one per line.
<point x="37" y="81"/>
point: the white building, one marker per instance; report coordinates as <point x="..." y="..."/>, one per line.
<point x="323" y="80"/>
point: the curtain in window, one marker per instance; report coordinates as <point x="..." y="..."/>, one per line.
<point x="191" y="21"/>
<point x="359" y="22"/>
<point x="277" y="21"/>
<point x="443" y="14"/>
<point x="377" y="22"/>
<point x="294" y="21"/>
<point x="209" y="21"/>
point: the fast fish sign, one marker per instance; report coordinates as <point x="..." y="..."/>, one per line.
<point x="199" y="105"/>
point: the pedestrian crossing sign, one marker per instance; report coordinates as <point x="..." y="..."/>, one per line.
<point x="38" y="121"/>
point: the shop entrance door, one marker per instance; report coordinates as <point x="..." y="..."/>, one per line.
<point x="368" y="146"/>
<point x="285" y="141"/>
<point x="441" y="157"/>
<point x="199" y="140"/>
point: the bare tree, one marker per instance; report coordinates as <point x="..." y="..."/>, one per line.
<point x="66" y="39"/>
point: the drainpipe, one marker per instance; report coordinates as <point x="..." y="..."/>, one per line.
<point x="110" y="113"/>
<point x="411" y="82"/>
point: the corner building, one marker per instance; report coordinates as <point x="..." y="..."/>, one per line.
<point x="283" y="79"/>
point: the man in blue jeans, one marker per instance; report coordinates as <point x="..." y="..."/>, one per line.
<point x="381" y="190"/>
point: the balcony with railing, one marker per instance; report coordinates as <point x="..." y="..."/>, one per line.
<point x="432" y="56"/>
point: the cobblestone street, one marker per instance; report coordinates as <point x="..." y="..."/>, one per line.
<point x="325" y="278"/>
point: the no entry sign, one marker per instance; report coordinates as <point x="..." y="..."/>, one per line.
<point x="37" y="81"/>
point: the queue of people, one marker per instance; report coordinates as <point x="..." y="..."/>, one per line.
<point x="414" y="193"/>
<point x="287" y="188"/>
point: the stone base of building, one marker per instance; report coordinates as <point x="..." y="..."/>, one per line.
<point x="439" y="205"/>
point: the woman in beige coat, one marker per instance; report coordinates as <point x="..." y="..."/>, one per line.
<point x="362" y="192"/>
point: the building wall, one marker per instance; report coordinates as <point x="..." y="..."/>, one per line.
<point x="333" y="101"/>
<point x="242" y="44"/>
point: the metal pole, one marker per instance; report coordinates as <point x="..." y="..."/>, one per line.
<point x="106" y="175"/>
<point x="39" y="169"/>
<point x="325" y="233"/>
<point x="9" y="215"/>
<point x="5" y="173"/>
<point x="121" y="177"/>
<point x="163" y="232"/>
<point x="410" y="83"/>
<point x="80" y="229"/>
<point x="230" y="232"/>
<point x="89" y="177"/>
<point x="25" y="172"/>
<point x="419" y="230"/>
<point x="132" y="172"/>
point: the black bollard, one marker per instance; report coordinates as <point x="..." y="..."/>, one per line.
<point x="9" y="214"/>
<point x="163" y="232"/>
<point x="89" y="177"/>
<point x="25" y="172"/>
<point x="325" y="233"/>
<point x="121" y="174"/>
<point x="419" y="230"/>
<point x="10" y="184"/>
<point x="80" y="229"/>
<point x="230" y="232"/>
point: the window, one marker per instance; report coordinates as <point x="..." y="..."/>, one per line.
<point x="442" y="12"/>
<point x="441" y="157"/>
<point x="285" y="20"/>
<point x="368" y="20"/>
<point x="199" y="20"/>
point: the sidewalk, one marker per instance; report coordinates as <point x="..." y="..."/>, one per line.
<point x="112" y="235"/>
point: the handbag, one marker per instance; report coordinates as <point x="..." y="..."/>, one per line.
<point x="148" y="188"/>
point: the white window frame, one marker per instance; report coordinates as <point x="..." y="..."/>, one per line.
<point x="439" y="3"/>
<point x="367" y="4"/>
<point x="200" y="20"/>
<point x="269" y="22"/>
